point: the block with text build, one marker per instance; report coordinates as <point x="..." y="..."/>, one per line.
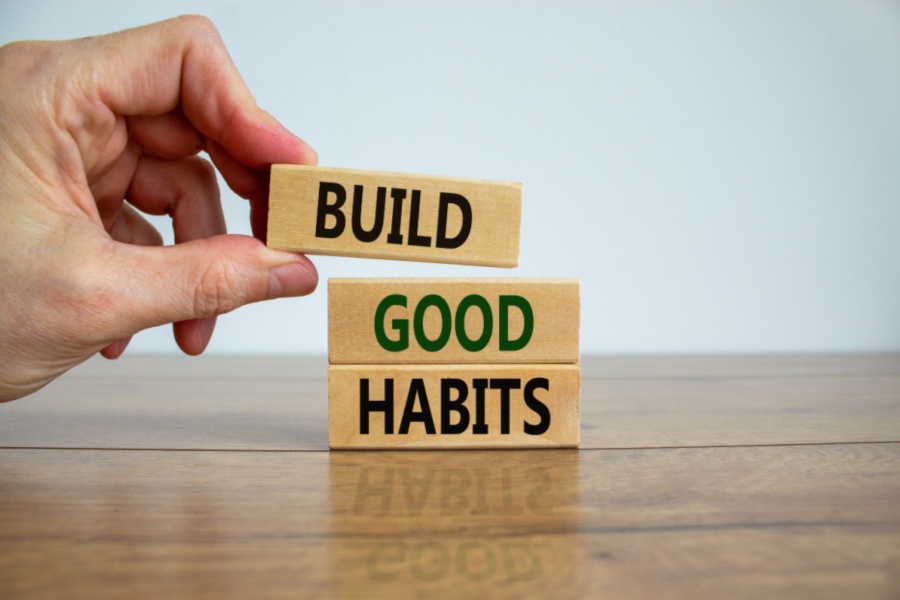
<point x="453" y="363"/>
<point x="376" y="214"/>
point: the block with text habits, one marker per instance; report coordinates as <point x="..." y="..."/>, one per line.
<point x="453" y="406"/>
<point x="377" y="214"/>
<point x="428" y="320"/>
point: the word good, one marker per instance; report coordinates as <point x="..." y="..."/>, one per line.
<point x="430" y="321"/>
<point x="471" y="301"/>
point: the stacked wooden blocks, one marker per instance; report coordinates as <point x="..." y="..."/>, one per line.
<point x="434" y="363"/>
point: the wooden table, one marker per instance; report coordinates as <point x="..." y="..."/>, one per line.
<point x="698" y="477"/>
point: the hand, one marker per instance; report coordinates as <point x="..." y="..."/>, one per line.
<point x="90" y="131"/>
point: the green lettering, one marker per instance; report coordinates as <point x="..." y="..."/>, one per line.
<point x="399" y="325"/>
<point x="419" y="323"/>
<point x="506" y="344"/>
<point x="488" y="325"/>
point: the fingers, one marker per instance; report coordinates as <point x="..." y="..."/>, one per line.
<point x="183" y="62"/>
<point x="247" y="183"/>
<point x="200" y="279"/>
<point x="180" y="92"/>
<point x="108" y="187"/>
<point x="116" y="349"/>
<point x="240" y="178"/>
<point x="187" y="190"/>
<point x="183" y="94"/>
<point x="130" y="227"/>
<point x="152" y="133"/>
<point x="169" y="135"/>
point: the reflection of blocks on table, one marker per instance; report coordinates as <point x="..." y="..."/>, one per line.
<point x="375" y="214"/>
<point x="453" y="363"/>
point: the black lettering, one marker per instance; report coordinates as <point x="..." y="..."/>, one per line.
<point x="414" y="238"/>
<point x="446" y="199"/>
<point x="538" y="383"/>
<point x="505" y="385"/>
<point x="480" y="427"/>
<point x="395" y="237"/>
<point x="450" y="406"/>
<point x="325" y="209"/>
<point x="410" y="414"/>
<point x="372" y="234"/>
<point x="366" y="406"/>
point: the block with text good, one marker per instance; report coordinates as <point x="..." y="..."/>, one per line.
<point x="453" y="406"/>
<point x="376" y="214"/>
<point x="428" y="320"/>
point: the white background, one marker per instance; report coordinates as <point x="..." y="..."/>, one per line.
<point x="722" y="176"/>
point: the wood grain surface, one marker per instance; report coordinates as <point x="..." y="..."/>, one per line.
<point x="698" y="477"/>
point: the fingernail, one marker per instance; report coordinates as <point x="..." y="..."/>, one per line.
<point x="292" y="279"/>
<point x="205" y="331"/>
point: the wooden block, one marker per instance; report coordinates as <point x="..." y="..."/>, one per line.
<point x="375" y="214"/>
<point x="378" y="321"/>
<point x="453" y="406"/>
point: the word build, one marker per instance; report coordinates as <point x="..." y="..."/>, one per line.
<point x="374" y="214"/>
<point x="462" y="406"/>
<point x="381" y="321"/>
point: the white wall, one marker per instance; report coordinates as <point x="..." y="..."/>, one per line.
<point x="722" y="176"/>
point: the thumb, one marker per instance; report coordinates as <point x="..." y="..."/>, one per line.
<point x="204" y="278"/>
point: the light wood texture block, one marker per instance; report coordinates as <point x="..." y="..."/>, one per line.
<point x="376" y="214"/>
<point x="453" y="406"/>
<point x="531" y="321"/>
